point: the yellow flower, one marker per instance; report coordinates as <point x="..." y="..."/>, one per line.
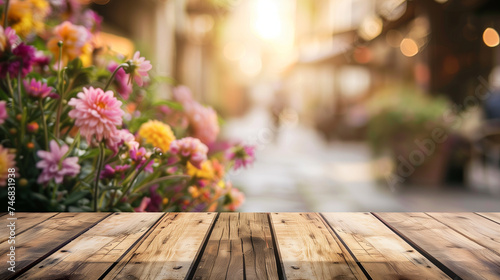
<point x="7" y="163"/>
<point x="157" y="134"/>
<point x="206" y="171"/>
<point x="26" y="17"/>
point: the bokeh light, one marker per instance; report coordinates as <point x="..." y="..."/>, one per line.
<point x="370" y="28"/>
<point x="408" y="47"/>
<point x="490" y="37"/>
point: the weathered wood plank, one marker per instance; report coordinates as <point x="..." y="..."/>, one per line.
<point x="494" y="216"/>
<point x="43" y="239"/>
<point x="382" y="253"/>
<point x="477" y="228"/>
<point x="309" y="250"/>
<point x="91" y="254"/>
<point x="240" y="243"/>
<point x="23" y="222"/>
<point x="464" y="257"/>
<point x="168" y="251"/>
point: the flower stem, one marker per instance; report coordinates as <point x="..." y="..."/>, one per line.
<point x="114" y="74"/>
<point x="134" y="178"/>
<point x="60" y="78"/>
<point x="161" y="179"/>
<point x="19" y="85"/>
<point x="6" y="12"/>
<point x="100" y="163"/>
<point x="44" y="123"/>
<point x="11" y="91"/>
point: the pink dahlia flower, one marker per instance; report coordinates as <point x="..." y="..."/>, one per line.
<point x="203" y="120"/>
<point x="96" y="113"/>
<point x="241" y="155"/>
<point x="123" y="87"/>
<point x="190" y="149"/>
<point x="204" y="123"/>
<point x="3" y="111"/>
<point x="37" y="89"/>
<point x="139" y="68"/>
<point x="54" y="165"/>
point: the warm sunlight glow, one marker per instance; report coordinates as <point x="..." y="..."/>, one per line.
<point x="268" y="24"/>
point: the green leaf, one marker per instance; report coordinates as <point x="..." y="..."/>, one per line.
<point x="171" y="104"/>
<point x="75" y="196"/>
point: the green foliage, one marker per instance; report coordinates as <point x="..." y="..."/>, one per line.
<point x="401" y="113"/>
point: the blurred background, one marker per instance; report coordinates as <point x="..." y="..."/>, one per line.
<point x="354" y="105"/>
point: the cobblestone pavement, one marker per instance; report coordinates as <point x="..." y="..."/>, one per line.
<point x="296" y="171"/>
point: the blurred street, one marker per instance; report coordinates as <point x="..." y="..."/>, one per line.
<point x="296" y="171"/>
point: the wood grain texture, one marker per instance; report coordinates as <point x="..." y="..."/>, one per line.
<point x="92" y="253"/>
<point x="37" y="242"/>
<point x="494" y="216"/>
<point x="477" y="228"/>
<point x="382" y="253"/>
<point x="466" y="258"/>
<point x="240" y="247"/>
<point x="168" y="250"/>
<point x="23" y="222"/>
<point x="309" y="250"/>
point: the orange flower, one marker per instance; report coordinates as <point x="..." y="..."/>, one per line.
<point x="75" y="40"/>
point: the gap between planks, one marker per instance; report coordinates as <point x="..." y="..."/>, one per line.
<point x="34" y="262"/>
<point x="432" y="259"/>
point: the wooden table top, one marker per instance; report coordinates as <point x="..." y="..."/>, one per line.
<point x="252" y="246"/>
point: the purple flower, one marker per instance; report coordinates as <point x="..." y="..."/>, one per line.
<point x="241" y="155"/>
<point x="110" y="172"/>
<point x="37" y="89"/>
<point x="22" y="60"/>
<point x="123" y="87"/>
<point x="41" y="59"/>
<point x="139" y="156"/>
<point x="54" y="165"/>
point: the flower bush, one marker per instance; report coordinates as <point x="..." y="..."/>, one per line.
<point x="82" y="129"/>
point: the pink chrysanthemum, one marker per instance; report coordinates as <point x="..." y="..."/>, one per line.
<point x="37" y="89"/>
<point x="241" y="155"/>
<point x="96" y="113"/>
<point x="190" y="149"/>
<point x="139" y="68"/>
<point x="123" y="87"/>
<point x="3" y="111"/>
<point x="54" y="165"/>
